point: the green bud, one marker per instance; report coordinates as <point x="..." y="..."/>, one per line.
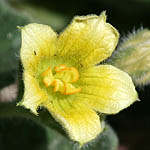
<point x="133" y="56"/>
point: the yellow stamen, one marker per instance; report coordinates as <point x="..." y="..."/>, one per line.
<point x="62" y="80"/>
<point x="47" y="77"/>
<point x="46" y="72"/>
<point x="60" y="68"/>
<point x="70" y="89"/>
<point x="67" y="74"/>
<point x="58" y="86"/>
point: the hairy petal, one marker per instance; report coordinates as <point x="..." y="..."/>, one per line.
<point x="37" y="41"/>
<point x="88" y="40"/>
<point x="106" y="89"/>
<point x="81" y="123"/>
<point x="33" y="95"/>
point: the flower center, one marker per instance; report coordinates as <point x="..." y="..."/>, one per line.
<point x="62" y="79"/>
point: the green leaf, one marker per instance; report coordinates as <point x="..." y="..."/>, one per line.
<point x="21" y="134"/>
<point x="42" y="15"/>
<point x="9" y="42"/>
<point x="56" y="141"/>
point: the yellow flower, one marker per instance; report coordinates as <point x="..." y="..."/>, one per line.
<point x="60" y="74"/>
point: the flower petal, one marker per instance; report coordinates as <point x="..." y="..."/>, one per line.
<point x="88" y="40"/>
<point x="33" y="95"/>
<point x="81" y="123"/>
<point x="106" y="89"/>
<point x="37" y="41"/>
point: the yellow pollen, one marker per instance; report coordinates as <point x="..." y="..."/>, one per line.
<point x="62" y="80"/>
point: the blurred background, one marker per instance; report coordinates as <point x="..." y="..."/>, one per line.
<point x="131" y="125"/>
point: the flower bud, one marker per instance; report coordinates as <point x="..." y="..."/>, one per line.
<point x="133" y="56"/>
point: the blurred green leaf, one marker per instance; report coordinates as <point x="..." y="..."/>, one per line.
<point x="21" y="134"/>
<point x="42" y="15"/>
<point x="107" y="140"/>
<point x="57" y="142"/>
<point x="9" y="42"/>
